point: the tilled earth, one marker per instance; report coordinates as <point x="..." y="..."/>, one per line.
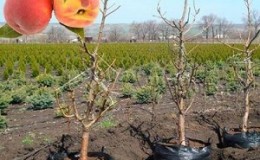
<point x="38" y="134"/>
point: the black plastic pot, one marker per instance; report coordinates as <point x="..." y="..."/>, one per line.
<point x="242" y="140"/>
<point x="163" y="152"/>
<point x="76" y="156"/>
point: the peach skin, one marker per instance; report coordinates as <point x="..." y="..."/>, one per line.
<point x="28" y="16"/>
<point x="76" y="13"/>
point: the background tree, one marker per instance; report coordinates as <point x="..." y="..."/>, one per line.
<point x="57" y="34"/>
<point x="144" y="30"/>
<point x="223" y="28"/>
<point x="152" y="30"/>
<point x="165" y="31"/>
<point x="135" y="29"/>
<point x="207" y="23"/>
<point x="115" y="33"/>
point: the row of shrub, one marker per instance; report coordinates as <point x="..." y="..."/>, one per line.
<point x="147" y="83"/>
<point x="144" y="84"/>
<point x="38" y="92"/>
<point x="137" y="82"/>
<point x="56" y="59"/>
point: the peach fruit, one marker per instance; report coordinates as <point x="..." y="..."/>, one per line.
<point x="28" y="16"/>
<point x="76" y="13"/>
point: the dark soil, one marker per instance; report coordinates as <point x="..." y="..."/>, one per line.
<point x="38" y="134"/>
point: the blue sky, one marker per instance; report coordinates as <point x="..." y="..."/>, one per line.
<point x="142" y="10"/>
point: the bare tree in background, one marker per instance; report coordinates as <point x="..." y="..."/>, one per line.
<point x="164" y="31"/>
<point x="223" y="27"/>
<point x="147" y="30"/>
<point x="57" y="34"/>
<point x="207" y="22"/>
<point x="152" y="30"/>
<point x="144" y="31"/>
<point x="135" y="29"/>
<point x="115" y="33"/>
<point x="184" y="77"/>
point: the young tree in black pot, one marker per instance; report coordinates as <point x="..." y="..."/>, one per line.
<point x="183" y="82"/>
<point x="245" y="54"/>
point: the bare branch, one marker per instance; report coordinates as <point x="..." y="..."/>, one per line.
<point x="237" y="75"/>
<point x="169" y="87"/>
<point x="231" y="46"/>
<point x="173" y="24"/>
<point x="188" y="19"/>
<point x="74" y="107"/>
<point x="114" y="10"/>
<point x="184" y="13"/>
<point x="255" y="36"/>
<point x="189" y="106"/>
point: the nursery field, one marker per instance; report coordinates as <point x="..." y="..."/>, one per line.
<point x="33" y="127"/>
<point x="34" y="59"/>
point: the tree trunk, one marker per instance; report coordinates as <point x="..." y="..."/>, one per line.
<point x="249" y="80"/>
<point x="246" y="111"/>
<point x="182" y="124"/>
<point x="181" y="105"/>
<point x="84" y="145"/>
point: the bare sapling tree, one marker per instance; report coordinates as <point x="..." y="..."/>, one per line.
<point x="247" y="51"/>
<point x="98" y="94"/>
<point x="185" y="70"/>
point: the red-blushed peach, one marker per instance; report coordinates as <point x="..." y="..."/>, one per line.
<point x="76" y="13"/>
<point x="28" y="16"/>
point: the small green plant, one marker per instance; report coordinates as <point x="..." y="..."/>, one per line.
<point x="170" y="69"/>
<point x="19" y="95"/>
<point x="19" y="77"/>
<point x="5" y="74"/>
<point x="127" y="90"/>
<point x="110" y="75"/>
<point x="201" y="75"/>
<point x="158" y="70"/>
<point x="28" y="140"/>
<point x="107" y="123"/>
<point x="5" y="100"/>
<point x="148" y="68"/>
<point x="35" y="69"/>
<point x="257" y="72"/>
<point x="211" y="89"/>
<point x="158" y="83"/>
<point x="143" y="95"/>
<point x="129" y="76"/>
<point x="211" y="80"/>
<point x="152" y="68"/>
<point x="3" y="123"/>
<point x="45" y="80"/>
<point x="41" y="99"/>
<point x="232" y="85"/>
<point x="8" y="85"/>
<point x="30" y="89"/>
